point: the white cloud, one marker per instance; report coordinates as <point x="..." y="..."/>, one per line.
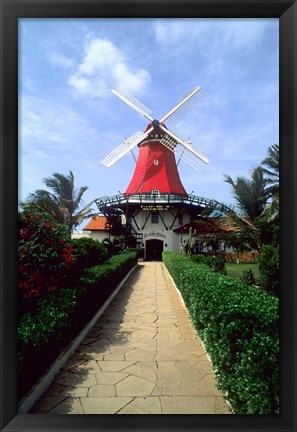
<point x="104" y="66"/>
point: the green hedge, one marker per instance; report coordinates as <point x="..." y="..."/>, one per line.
<point x="239" y="326"/>
<point x="112" y="271"/>
<point x="216" y="263"/>
<point x="88" y="252"/>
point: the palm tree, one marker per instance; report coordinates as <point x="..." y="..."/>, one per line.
<point x="271" y="169"/>
<point x="250" y="193"/>
<point x="63" y="203"/>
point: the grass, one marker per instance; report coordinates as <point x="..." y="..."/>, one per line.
<point x="235" y="270"/>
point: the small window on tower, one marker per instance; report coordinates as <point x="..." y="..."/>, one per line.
<point x="156" y="162"/>
<point x="155" y="217"/>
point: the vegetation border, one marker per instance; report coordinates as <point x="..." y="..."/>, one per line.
<point x="42" y="384"/>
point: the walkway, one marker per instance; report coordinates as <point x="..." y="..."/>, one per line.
<point x="141" y="357"/>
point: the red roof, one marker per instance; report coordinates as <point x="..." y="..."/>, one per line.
<point x="156" y="168"/>
<point x="96" y="224"/>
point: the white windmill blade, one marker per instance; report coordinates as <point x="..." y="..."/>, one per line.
<point x="182" y="153"/>
<point x="183" y="143"/>
<point x="133" y="103"/>
<point x="183" y="107"/>
<point x="125" y="147"/>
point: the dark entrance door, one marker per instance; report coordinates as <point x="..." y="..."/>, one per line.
<point x="154" y="249"/>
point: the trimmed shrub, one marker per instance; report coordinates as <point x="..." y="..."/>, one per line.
<point x="88" y="252"/>
<point x="139" y="251"/>
<point x="113" y="270"/>
<point x="269" y="269"/>
<point x="248" y="277"/>
<point x="216" y="263"/>
<point x="239" y="326"/>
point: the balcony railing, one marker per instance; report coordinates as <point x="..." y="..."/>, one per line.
<point x="121" y="200"/>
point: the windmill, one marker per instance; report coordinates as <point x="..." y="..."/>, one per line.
<point x="155" y="205"/>
<point x="156" y="167"/>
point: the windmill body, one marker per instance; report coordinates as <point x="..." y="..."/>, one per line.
<point x="155" y="206"/>
<point x="156" y="168"/>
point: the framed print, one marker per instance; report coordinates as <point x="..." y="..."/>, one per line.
<point x="160" y="54"/>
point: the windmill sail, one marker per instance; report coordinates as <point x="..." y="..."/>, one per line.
<point x="124" y="148"/>
<point x="133" y="103"/>
<point x="183" y="107"/>
<point x="189" y="157"/>
<point x="188" y="146"/>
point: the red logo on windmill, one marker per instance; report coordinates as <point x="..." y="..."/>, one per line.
<point x="156" y="167"/>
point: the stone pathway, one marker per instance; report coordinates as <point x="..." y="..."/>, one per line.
<point x="141" y="357"/>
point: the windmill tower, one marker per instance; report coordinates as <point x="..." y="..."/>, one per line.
<point x="155" y="204"/>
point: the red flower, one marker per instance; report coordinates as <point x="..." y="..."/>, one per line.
<point x="36" y="277"/>
<point x="24" y="285"/>
<point x="68" y="257"/>
<point x="24" y="232"/>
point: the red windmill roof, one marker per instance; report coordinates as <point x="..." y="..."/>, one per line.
<point x="156" y="168"/>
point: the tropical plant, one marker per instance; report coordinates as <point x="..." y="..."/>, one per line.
<point x="271" y="169"/>
<point x="250" y="193"/>
<point x="64" y="202"/>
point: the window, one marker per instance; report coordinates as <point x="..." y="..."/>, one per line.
<point x="155" y="217"/>
<point x="156" y="162"/>
<point x="155" y="192"/>
<point x="180" y="219"/>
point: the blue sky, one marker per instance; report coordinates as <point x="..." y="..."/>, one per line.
<point x="70" y="120"/>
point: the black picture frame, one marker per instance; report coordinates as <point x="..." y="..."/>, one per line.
<point x="11" y="11"/>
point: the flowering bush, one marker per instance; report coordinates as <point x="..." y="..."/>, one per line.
<point x="44" y="254"/>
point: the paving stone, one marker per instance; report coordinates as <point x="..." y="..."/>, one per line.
<point x="150" y="365"/>
<point x="131" y="409"/>
<point x="141" y="372"/>
<point x="222" y="407"/>
<point x="102" y="405"/>
<point x="188" y="405"/>
<point x="110" y="377"/>
<point x="113" y="357"/>
<point x="102" y="390"/>
<point x="134" y="386"/>
<point x="151" y="405"/>
<point x="139" y="354"/>
<point x="80" y="380"/>
<point x="90" y="367"/>
<point x="114" y="366"/>
<point x="75" y="391"/>
<point x="201" y="388"/>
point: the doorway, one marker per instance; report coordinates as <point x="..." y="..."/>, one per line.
<point x="154" y="249"/>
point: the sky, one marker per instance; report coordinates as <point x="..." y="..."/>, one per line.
<point x="70" y="120"/>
